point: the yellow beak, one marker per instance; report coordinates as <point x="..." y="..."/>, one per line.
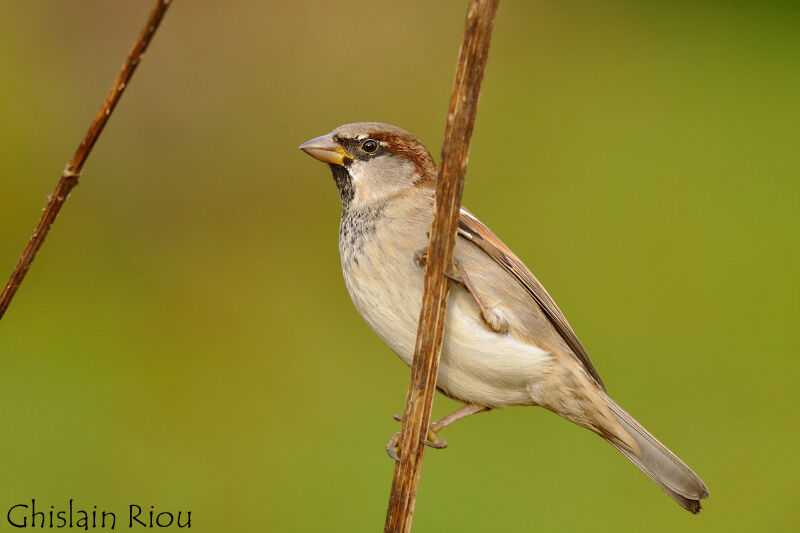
<point x="325" y="149"/>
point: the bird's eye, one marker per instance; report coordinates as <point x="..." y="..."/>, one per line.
<point x="369" y="146"/>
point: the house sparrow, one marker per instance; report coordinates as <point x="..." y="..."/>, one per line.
<point x="506" y="341"/>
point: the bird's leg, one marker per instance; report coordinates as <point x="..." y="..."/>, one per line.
<point x="432" y="439"/>
<point x="421" y="257"/>
<point x="464" y="412"/>
<point x="493" y="318"/>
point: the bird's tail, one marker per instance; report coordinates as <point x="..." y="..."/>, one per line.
<point x="660" y="464"/>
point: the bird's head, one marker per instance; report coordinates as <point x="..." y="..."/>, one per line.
<point x="372" y="162"/>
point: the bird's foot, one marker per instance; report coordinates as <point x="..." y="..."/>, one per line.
<point x="493" y="317"/>
<point x="421" y="260"/>
<point x="421" y="257"/>
<point x="432" y="439"/>
<point x="391" y="446"/>
<point x="495" y="320"/>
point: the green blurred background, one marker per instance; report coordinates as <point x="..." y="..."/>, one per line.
<point x="184" y="339"/>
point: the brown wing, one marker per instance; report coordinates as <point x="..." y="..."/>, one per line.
<point x="476" y="232"/>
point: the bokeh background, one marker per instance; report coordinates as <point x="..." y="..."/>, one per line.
<point x="185" y="340"/>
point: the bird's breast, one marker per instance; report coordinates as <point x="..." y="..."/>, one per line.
<point x="478" y="365"/>
<point x="383" y="281"/>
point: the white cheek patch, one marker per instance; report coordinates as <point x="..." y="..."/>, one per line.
<point x="358" y="174"/>
<point x="378" y="178"/>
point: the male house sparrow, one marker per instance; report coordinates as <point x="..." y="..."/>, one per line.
<point x="506" y="341"/>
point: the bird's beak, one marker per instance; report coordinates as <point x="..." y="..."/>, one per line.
<point x="325" y="149"/>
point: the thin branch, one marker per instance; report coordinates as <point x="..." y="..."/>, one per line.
<point x="69" y="177"/>
<point x="424" y="369"/>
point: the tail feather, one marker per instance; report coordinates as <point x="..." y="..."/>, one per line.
<point x="660" y="464"/>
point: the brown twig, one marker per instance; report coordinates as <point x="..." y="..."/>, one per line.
<point x="424" y="369"/>
<point x="69" y="177"/>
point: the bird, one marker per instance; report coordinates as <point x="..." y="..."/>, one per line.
<point x="506" y="342"/>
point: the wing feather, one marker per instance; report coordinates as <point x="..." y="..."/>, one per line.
<point x="472" y="229"/>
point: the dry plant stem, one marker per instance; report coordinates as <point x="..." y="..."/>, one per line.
<point x="430" y="333"/>
<point x="69" y="177"/>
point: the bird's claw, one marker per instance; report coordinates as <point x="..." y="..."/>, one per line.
<point x="391" y="446"/>
<point x="421" y="260"/>
<point x="453" y="277"/>
<point x="432" y="439"/>
<point x="421" y="257"/>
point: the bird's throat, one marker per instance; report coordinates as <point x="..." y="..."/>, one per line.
<point x="344" y="182"/>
